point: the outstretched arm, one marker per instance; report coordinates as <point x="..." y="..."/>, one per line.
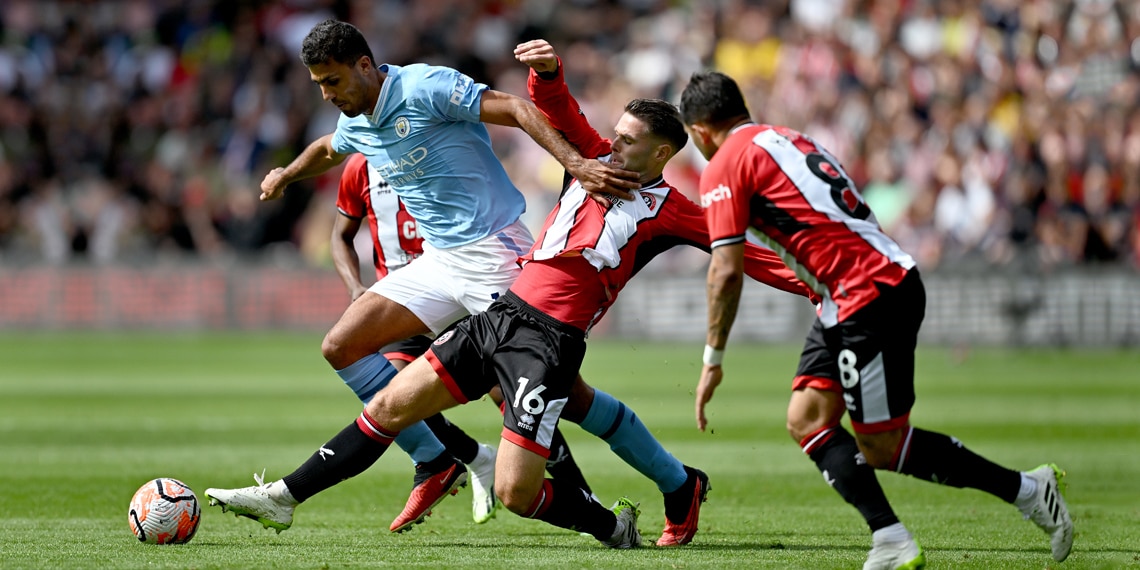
<point x="596" y="177"/>
<point x="725" y="281"/>
<point x="318" y="157"/>
<point x="547" y="88"/>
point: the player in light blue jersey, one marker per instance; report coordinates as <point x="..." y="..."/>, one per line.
<point x="422" y="127"/>
<point x="424" y="137"/>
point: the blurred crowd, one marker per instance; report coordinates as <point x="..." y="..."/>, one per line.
<point x="983" y="133"/>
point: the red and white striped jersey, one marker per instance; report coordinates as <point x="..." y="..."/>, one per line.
<point x="363" y="192"/>
<point x="794" y="196"/>
<point x="588" y="251"/>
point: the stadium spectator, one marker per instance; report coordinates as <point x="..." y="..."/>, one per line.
<point x="215" y="82"/>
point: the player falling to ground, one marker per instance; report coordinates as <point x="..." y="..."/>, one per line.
<point x="790" y="192"/>
<point x="531" y="341"/>
<point x="422" y="127"/>
<point x="364" y="194"/>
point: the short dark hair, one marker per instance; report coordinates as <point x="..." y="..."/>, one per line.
<point x="712" y="98"/>
<point x="662" y="119"/>
<point x="336" y="41"/>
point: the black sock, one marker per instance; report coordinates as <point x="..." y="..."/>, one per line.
<point x="565" y="506"/>
<point x="678" y="503"/>
<point x="426" y="470"/>
<point x="944" y="460"/>
<point x="561" y="464"/>
<point x="347" y="455"/>
<point x="457" y="442"/>
<point x="844" y="468"/>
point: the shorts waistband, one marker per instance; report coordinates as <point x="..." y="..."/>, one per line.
<point x="515" y="301"/>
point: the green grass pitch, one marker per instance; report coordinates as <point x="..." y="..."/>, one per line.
<point x="86" y="418"/>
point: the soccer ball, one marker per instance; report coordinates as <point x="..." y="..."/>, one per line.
<point x="164" y="511"/>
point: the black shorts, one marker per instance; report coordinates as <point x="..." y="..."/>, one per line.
<point x="869" y="357"/>
<point x="533" y="357"/>
<point x="408" y="349"/>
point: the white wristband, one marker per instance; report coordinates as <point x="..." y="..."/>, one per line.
<point x="713" y="356"/>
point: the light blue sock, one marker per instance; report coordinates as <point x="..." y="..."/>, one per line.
<point x="366" y="377"/>
<point x="615" y="423"/>
<point x="418" y="441"/>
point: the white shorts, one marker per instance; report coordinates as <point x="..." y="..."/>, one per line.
<point x="445" y="285"/>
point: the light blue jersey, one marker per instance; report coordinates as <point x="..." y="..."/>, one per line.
<point x="425" y="138"/>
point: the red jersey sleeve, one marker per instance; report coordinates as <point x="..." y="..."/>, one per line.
<point x="353" y="186"/>
<point x="765" y="266"/>
<point x="761" y="264"/>
<point x="553" y="99"/>
<point x="725" y="199"/>
<point x="686" y="220"/>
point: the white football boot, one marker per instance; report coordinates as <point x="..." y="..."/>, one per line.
<point x="269" y="504"/>
<point x="904" y="555"/>
<point x="625" y="534"/>
<point x="482" y="470"/>
<point x="1047" y="509"/>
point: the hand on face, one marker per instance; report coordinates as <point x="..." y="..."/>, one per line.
<point x="597" y="177"/>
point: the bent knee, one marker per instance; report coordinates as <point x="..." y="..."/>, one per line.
<point x="800" y="428"/>
<point x="386" y="413"/>
<point x="517" y="500"/>
<point x="877" y="460"/>
<point x="811" y="410"/>
<point x="878" y="449"/>
<point x="333" y="350"/>
<point x="340" y="353"/>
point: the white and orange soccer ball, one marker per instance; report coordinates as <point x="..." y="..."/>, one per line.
<point x="164" y="511"/>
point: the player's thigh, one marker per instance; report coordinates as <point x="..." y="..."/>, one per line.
<point x="463" y="356"/>
<point x="406" y="350"/>
<point x="518" y="475"/>
<point x="531" y="357"/>
<point x="483" y="271"/>
<point x="535" y="391"/>
<point x="368" y="324"/>
<point x="811" y="409"/>
<point x="537" y="362"/>
<point x="877" y="366"/>
<point x="579" y="402"/>
<point x="817" y="396"/>
<point x="496" y="394"/>
<point x="870" y="361"/>
<point x="414" y="394"/>
<point x="426" y="289"/>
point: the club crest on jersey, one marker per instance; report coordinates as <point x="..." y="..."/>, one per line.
<point x="403" y="127"/>
<point x="444" y="337"/>
<point x="650" y="200"/>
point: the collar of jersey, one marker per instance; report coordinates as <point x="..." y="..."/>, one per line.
<point x="659" y="181"/>
<point x="733" y="131"/>
<point x="389" y="70"/>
